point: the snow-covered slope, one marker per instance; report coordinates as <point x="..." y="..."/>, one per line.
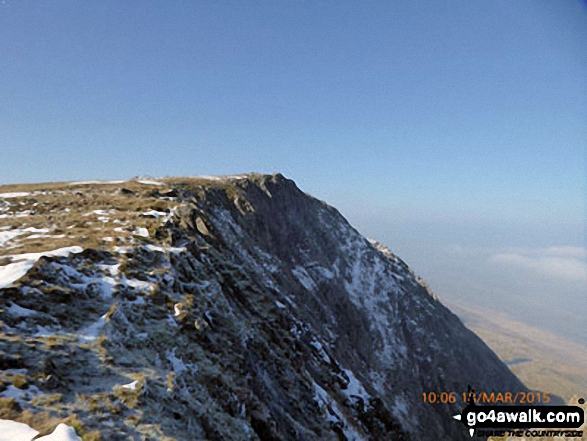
<point x="221" y="308"/>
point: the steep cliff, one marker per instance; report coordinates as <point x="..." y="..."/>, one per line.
<point x="220" y="308"/>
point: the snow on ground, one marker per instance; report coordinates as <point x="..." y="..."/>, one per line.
<point x="113" y="270"/>
<point x="355" y="387"/>
<point x="318" y="346"/>
<point x="334" y="414"/>
<point x="23" y="262"/>
<point x="19" y="311"/>
<point x="372" y="289"/>
<point x="13" y="195"/>
<point x="87" y="334"/>
<point x="45" y="236"/>
<point x="139" y="285"/>
<point x="130" y="386"/>
<point x="91" y="333"/>
<point x="304" y="278"/>
<point x="176" y="309"/>
<point x="141" y="231"/>
<point x="24" y="213"/>
<point x="149" y="182"/>
<point x="324" y="272"/>
<point x="154" y="213"/>
<point x="5" y="236"/>
<point x="14" y="271"/>
<point x="164" y="216"/>
<point x="13" y="431"/>
<point x="75" y="279"/>
<point x="173" y="250"/>
<point x="102" y="214"/>
<point x="61" y="433"/>
<point x="211" y="178"/>
<point x="123" y="250"/>
<point x="221" y="177"/>
<point x="95" y="182"/>
<point x="20" y="394"/>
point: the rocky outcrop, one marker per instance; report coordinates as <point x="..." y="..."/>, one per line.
<point x="249" y="310"/>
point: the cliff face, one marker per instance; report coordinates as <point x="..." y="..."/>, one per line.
<point x="233" y="308"/>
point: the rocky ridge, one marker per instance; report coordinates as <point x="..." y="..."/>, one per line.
<point x="220" y="308"/>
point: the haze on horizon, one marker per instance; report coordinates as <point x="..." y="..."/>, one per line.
<point x="454" y="132"/>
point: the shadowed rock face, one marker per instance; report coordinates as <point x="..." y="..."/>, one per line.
<point x="251" y="311"/>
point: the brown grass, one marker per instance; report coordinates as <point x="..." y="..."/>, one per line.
<point x="558" y="365"/>
<point x="68" y="210"/>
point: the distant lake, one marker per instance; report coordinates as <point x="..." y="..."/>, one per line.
<point x="517" y="361"/>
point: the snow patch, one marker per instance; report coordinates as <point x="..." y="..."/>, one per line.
<point x="324" y="272"/>
<point x="45" y="236"/>
<point x="139" y="285"/>
<point x="334" y="414"/>
<point x="318" y="346"/>
<point x="113" y="270"/>
<point x="156" y="214"/>
<point x="61" y="433"/>
<point x="81" y="281"/>
<point x="304" y="278"/>
<point x="173" y="250"/>
<point x="95" y="182"/>
<point x="123" y="250"/>
<point x="13" y="431"/>
<point x="14" y="195"/>
<point x="19" y="311"/>
<point x="20" y="395"/>
<point x="149" y="182"/>
<point x="141" y="231"/>
<point x="5" y="236"/>
<point x="222" y="178"/>
<point x="24" y="213"/>
<point x="130" y="386"/>
<point x="23" y="262"/>
<point x="355" y="387"/>
<point x="102" y="212"/>
<point x="91" y="333"/>
<point x="176" y="310"/>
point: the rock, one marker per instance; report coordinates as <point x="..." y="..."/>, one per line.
<point x="255" y="312"/>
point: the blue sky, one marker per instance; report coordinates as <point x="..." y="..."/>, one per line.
<point x="429" y="124"/>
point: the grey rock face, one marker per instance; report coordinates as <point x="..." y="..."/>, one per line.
<point x="252" y="311"/>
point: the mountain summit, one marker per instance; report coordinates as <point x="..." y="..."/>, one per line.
<point x="220" y="308"/>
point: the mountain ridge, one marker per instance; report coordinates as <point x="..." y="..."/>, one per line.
<point x="233" y="301"/>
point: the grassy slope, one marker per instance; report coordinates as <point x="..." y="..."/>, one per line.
<point x="67" y="210"/>
<point x="557" y="365"/>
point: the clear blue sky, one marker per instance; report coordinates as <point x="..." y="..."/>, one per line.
<point x="447" y="121"/>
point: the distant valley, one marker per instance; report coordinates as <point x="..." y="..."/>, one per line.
<point x="541" y="359"/>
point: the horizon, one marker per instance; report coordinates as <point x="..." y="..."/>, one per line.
<point x="455" y="133"/>
<point x="470" y="297"/>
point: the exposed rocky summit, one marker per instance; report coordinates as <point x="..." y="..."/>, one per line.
<point x="220" y="308"/>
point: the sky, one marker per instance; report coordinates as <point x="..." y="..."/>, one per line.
<point x="453" y="131"/>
